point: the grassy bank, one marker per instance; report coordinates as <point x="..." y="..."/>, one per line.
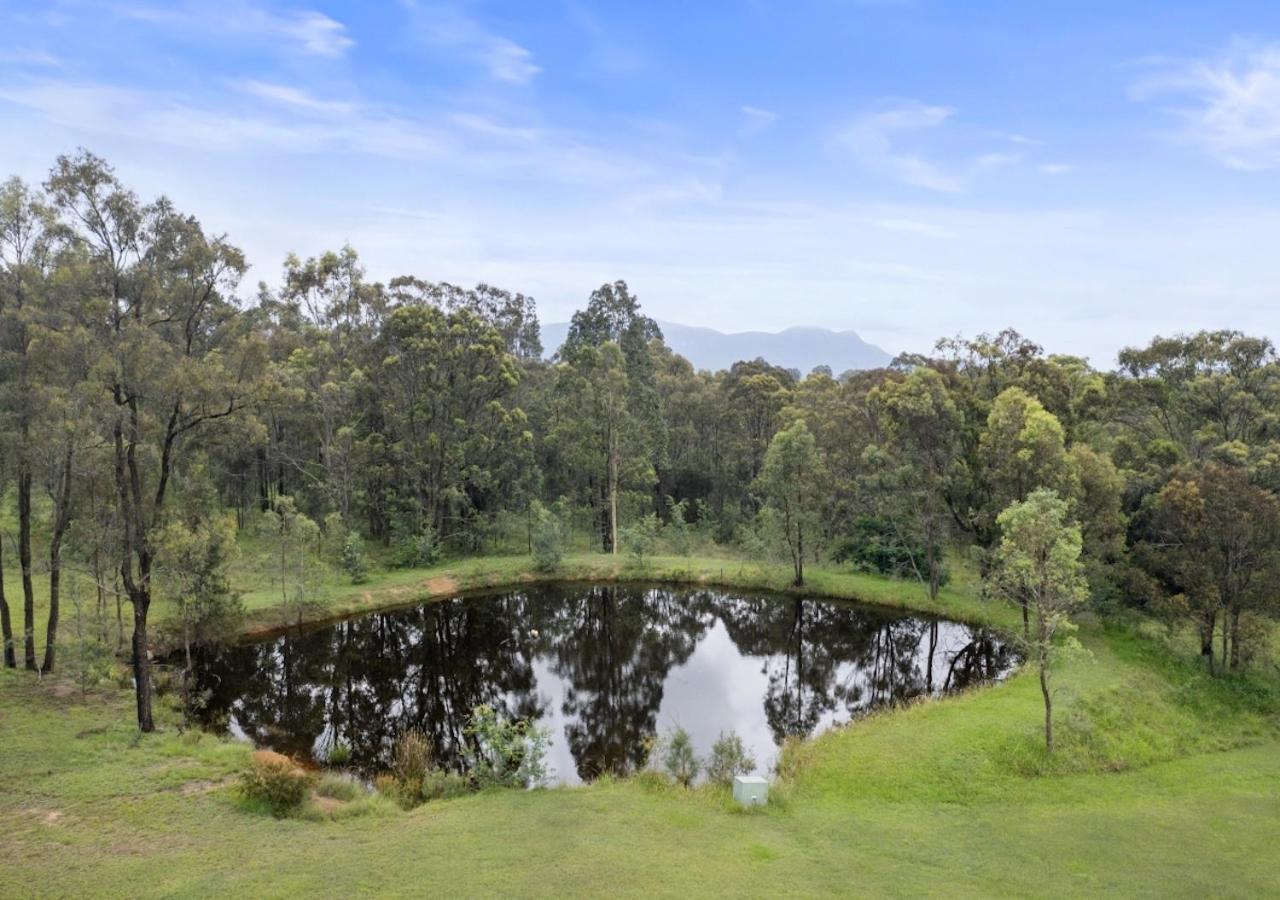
<point x="1166" y="784"/>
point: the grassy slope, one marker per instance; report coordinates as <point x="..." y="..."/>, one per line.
<point x="1167" y="783"/>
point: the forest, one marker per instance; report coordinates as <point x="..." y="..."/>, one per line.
<point x="155" y="409"/>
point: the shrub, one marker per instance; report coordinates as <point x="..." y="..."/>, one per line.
<point x="339" y="754"/>
<point x="275" y="781"/>
<point x="339" y="787"/>
<point x="353" y="561"/>
<point x="506" y="753"/>
<point x="679" y="531"/>
<point x="416" y="550"/>
<point x="641" y="538"/>
<point x="878" y="546"/>
<point x="547" y="539"/>
<point x="678" y="758"/>
<point x="411" y="758"/>
<point x="729" y="757"/>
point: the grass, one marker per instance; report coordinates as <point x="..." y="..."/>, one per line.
<point x="1167" y="783"/>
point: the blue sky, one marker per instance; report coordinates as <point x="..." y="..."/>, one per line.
<point x="1092" y="174"/>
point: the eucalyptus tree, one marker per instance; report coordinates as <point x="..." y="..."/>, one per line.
<point x="922" y="423"/>
<point x="27" y="250"/>
<point x="1216" y="546"/>
<point x="1038" y="566"/>
<point x="790" y="484"/>
<point x="171" y="358"/>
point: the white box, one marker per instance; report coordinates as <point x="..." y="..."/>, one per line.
<point x="750" y="790"/>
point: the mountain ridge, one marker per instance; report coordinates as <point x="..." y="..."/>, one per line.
<point x="802" y="347"/>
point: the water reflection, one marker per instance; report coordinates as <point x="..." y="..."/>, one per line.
<point x="605" y="667"/>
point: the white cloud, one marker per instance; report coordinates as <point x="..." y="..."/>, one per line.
<point x="1057" y="168"/>
<point x="445" y="27"/>
<point x="756" y="119"/>
<point x="306" y="31"/>
<point x="1229" y="106"/>
<point x="294" y="97"/>
<point x="871" y="138"/>
<point x="997" y="160"/>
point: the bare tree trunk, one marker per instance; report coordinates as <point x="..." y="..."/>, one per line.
<point x="6" y="624"/>
<point x="61" y="521"/>
<point x="24" y="561"/>
<point x="142" y="661"/>
<point x="799" y="554"/>
<point x="1043" y="653"/>
<point x="1235" y="639"/>
<point x="1206" y="639"/>
<point x="613" y="495"/>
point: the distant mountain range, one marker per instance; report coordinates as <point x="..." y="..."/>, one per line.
<point x="794" y="348"/>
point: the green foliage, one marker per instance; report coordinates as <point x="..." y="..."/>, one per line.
<point x="338" y="786"/>
<point x="505" y="753"/>
<point x="641" y="538"/>
<point x="679" y="759"/>
<point x="678" y="530"/>
<point x="276" y="782"/>
<point x="879" y="546"/>
<point x="791" y="483"/>
<point x="548" y="538"/>
<point x="729" y="757"/>
<point x="414" y="543"/>
<point x="353" y="558"/>
<point x="339" y="754"/>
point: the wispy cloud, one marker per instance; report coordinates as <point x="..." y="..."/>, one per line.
<point x="756" y="119"/>
<point x="294" y="98"/>
<point x="872" y="140"/>
<point x="1229" y="106"/>
<point x="446" y="27"/>
<point x="306" y="31"/>
<point x="1056" y="168"/>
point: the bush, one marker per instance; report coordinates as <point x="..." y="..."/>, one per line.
<point x="411" y="757"/>
<point x="877" y="546"/>
<point x="729" y="757"/>
<point x="678" y="758"/>
<point x="353" y="561"/>
<point x="548" y="539"/>
<point x="641" y="538"/>
<point x="506" y="753"/>
<point x="339" y="754"/>
<point x="339" y="787"/>
<point x="275" y="781"/>
<point x="416" y="550"/>
<point x="679" y="531"/>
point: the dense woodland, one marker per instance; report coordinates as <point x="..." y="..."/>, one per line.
<point x="153" y="407"/>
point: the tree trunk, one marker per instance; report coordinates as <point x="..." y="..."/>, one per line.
<point x="24" y="561"/>
<point x="1026" y="621"/>
<point x="6" y="624"/>
<point x="61" y="521"/>
<point x="613" y="496"/>
<point x="55" y="590"/>
<point x="799" y="554"/>
<point x="1206" y="639"/>
<point x="1044" y="684"/>
<point x="1235" y="639"/>
<point x="141" y="661"/>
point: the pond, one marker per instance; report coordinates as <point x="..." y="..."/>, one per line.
<point x="605" y="667"/>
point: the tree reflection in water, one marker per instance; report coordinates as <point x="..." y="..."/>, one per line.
<point x="610" y="654"/>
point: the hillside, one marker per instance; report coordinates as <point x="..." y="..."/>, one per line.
<point x="793" y="348"/>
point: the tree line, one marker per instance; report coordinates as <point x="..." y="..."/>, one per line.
<point x="150" y="409"/>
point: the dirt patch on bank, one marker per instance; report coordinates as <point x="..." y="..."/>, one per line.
<point x="441" y="584"/>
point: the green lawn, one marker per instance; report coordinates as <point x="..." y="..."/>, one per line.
<point x="1167" y="783"/>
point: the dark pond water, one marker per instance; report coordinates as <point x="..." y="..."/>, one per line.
<point x="604" y="667"/>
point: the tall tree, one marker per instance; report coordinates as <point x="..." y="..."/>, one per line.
<point x="26" y="251"/>
<point x="1038" y="566"/>
<point x="922" y="424"/>
<point x="791" y="484"/>
<point x="172" y="360"/>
